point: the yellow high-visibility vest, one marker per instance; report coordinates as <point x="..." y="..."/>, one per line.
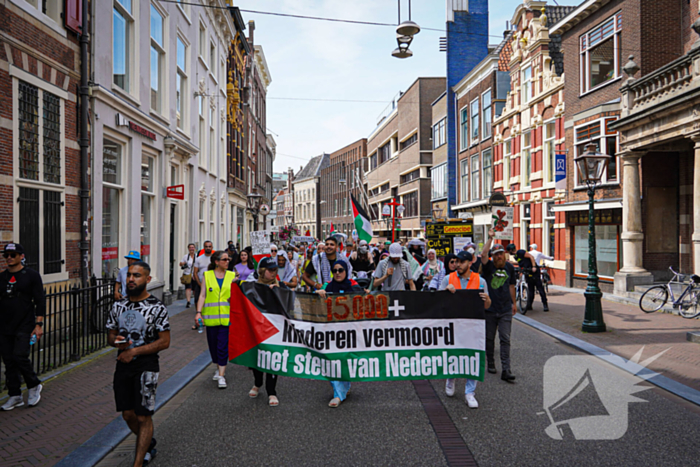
<point x="217" y="308"/>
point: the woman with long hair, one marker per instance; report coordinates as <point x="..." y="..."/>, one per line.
<point x="450" y="266"/>
<point x="214" y="309"/>
<point x="340" y="283"/>
<point x="267" y="275"/>
<point x="245" y="266"/>
<point x="431" y="267"/>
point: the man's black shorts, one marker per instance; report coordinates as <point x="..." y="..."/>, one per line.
<point x="135" y="387"/>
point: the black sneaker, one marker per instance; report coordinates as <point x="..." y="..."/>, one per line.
<point x="507" y="376"/>
<point x="188" y="305"/>
<point x="545" y="308"/>
<point x="492" y="368"/>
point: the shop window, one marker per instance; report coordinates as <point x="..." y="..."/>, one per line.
<point x="606" y="250"/>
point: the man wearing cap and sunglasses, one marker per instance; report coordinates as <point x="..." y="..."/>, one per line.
<point x="22" y="310"/>
<point x="120" y="286"/>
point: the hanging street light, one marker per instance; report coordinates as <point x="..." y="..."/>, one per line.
<point x="404" y="35"/>
<point x="591" y="166"/>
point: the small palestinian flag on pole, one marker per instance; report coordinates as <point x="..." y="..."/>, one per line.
<point x="332" y="229"/>
<point x="308" y="233"/>
<point x="362" y="223"/>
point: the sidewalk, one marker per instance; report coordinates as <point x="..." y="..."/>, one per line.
<point x="628" y="330"/>
<point x="77" y="404"/>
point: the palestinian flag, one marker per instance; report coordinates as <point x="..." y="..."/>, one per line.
<point x="332" y="229"/>
<point x="362" y="223"/>
<point x="308" y="233"/>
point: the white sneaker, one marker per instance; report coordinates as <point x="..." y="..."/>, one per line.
<point x="216" y="376"/>
<point x="34" y="395"/>
<point x="222" y="382"/>
<point x="450" y="387"/>
<point x="12" y="402"/>
<point x="471" y="401"/>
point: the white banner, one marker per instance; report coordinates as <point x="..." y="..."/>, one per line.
<point x="260" y="242"/>
<point x="502" y="222"/>
<point x="458" y="243"/>
<point x="303" y="239"/>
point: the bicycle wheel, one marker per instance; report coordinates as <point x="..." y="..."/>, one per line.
<point x="100" y="312"/>
<point x="689" y="308"/>
<point x="522" y="300"/>
<point x="653" y="299"/>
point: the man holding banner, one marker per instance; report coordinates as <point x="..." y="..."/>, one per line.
<point x="464" y="278"/>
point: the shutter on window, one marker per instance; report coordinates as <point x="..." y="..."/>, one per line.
<point x="73" y="14"/>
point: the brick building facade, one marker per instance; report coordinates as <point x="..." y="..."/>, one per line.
<point x="342" y="177"/>
<point x="39" y="131"/>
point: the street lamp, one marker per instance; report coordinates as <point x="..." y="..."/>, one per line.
<point x="591" y="165"/>
<point x="404" y="35"/>
<point x="254" y="200"/>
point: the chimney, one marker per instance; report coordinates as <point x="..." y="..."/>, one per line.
<point x="251" y="30"/>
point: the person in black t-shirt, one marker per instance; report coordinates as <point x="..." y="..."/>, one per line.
<point x="500" y="278"/>
<point x="138" y="326"/>
<point x="22" y="309"/>
<point x="532" y="276"/>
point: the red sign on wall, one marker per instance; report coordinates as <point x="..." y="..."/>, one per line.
<point x="110" y="253"/>
<point x="142" y="131"/>
<point x="145" y="250"/>
<point x="176" y="192"/>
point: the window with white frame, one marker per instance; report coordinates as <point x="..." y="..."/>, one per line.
<point x="184" y="6"/>
<point x="549" y="235"/>
<point x="464" y="176"/>
<point x="212" y="59"/>
<point x="203" y="42"/>
<point x="202" y="134"/>
<point x="439" y="137"/>
<point x="600" y="56"/>
<point x="476" y="192"/>
<point x="181" y="84"/>
<point x="157" y="60"/>
<point x="486" y="111"/>
<point x="438" y="180"/>
<point x="606" y="142"/>
<point x="464" y="128"/>
<point x="40" y="117"/>
<point x="526" y="156"/>
<point x="526" y="85"/>
<point x="487" y="161"/>
<point x="147" y="206"/>
<point x="122" y="43"/>
<point x="51" y="8"/>
<point x="212" y="139"/>
<point x="202" y="216"/>
<point x="506" y="164"/>
<point x="474" y="112"/>
<point x="212" y="228"/>
<point x="549" y="151"/>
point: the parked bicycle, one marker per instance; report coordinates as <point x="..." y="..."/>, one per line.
<point x="546" y="278"/>
<point x="687" y="303"/>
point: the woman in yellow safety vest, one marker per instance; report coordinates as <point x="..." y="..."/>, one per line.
<point x="213" y="308"/>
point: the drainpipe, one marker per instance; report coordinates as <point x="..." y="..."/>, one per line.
<point x="84" y="142"/>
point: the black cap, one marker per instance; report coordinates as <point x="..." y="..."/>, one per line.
<point x="268" y="263"/>
<point x="14" y="248"/>
<point x="465" y="256"/>
<point x="511" y="247"/>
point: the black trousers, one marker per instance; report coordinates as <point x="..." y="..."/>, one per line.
<point x="532" y="282"/>
<point x="502" y="323"/>
<point x="15" y="353"/>
<point x="270" y="381"/>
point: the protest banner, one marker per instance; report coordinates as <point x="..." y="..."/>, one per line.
<point x="303" y="239"/>
<point x="460" y="243"/>
<point x="440" y="235"/>
<point x="387" y="336"/>
<point x="260" y="242"/>
<point x="502" y="222"/>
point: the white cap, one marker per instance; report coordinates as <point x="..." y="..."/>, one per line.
<point x="363" y="242"/>
<point x="395" y="250"/>
<point x="533" y="246"/>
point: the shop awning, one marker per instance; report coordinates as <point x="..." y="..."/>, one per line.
<point x="473" y="204"/>
<point x="611" y="203"/>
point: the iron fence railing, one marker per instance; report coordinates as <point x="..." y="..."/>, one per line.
<point x="74" y="325"/>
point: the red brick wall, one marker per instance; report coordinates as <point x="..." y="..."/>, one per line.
<point x="688" y="15"/>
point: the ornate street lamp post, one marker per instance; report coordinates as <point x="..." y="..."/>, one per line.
<point x="591" y="166"/>
<point x="254" y="200"/>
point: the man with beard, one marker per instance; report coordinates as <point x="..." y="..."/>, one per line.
<point x="500" y="277"/>
<point x="318" y="272"/>
<point x="138" y="326"/>
<point x="393" y="272"/>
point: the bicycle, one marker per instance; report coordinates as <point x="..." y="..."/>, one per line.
<point x="687" y="303"/>
<point x="546" y="278"/>
<point x="521" y="291"/>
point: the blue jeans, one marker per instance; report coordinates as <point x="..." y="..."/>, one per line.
<point x="340" y="389"/>
<point x="469" y="386"/>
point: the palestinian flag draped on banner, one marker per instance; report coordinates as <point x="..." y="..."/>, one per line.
<point x="362" y="223"/>
<point x="358" y="337"/>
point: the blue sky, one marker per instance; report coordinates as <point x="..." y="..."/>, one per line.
<point x="336" y="61"/>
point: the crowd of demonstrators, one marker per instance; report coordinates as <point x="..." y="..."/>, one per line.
<point x="214" y="310"/>
<point x="318" y="270"/>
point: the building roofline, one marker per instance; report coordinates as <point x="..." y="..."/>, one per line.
<point x="569" y="20"/>
<point x="444" y="93"/>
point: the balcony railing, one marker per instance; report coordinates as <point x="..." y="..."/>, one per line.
<point x="673" y="79"/>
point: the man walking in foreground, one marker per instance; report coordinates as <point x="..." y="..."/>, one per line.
<point x="22" y="309"/>
<point x="500" y="277"/>
<point x="138" y="326"/>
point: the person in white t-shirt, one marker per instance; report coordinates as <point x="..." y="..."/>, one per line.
<point x="187" y="264"/>
<point x="538" y="255"/>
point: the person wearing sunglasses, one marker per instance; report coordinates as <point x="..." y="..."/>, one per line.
<point x="214" y="309"/>
<point x="23" y="309"/>
<point x="340" y="283"/>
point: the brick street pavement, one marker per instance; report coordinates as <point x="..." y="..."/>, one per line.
<point x="629" y="328"/>
<point x="77" y="404"/>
